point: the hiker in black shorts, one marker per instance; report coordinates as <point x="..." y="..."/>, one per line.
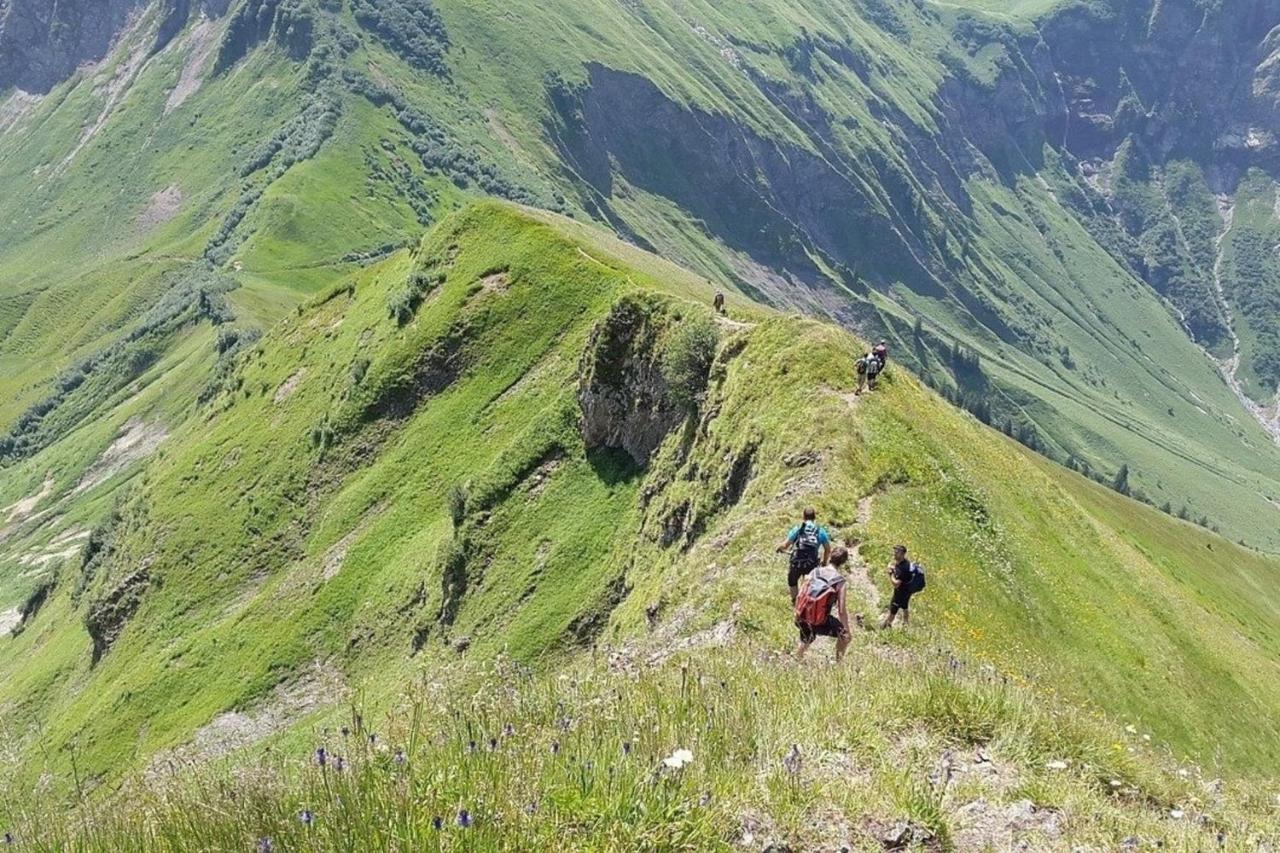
<point x="823" y="592"/>
<point x="805" y="541"/>
<point x="907" y="579"/>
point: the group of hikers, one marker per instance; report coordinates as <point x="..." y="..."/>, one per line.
<point x="815" y="572"/>
<point x="870" y="366"/>
<point x="818" y="586"/>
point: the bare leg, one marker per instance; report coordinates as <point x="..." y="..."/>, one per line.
<point x="906" y="618"/>
<point x="801" y="649"/>
<point x="842" y="643"/>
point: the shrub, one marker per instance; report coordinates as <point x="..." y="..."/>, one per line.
<point x="457" y="504"/>
<point x="686" y="365"/>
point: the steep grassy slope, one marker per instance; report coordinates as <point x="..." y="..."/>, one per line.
<point x="881" y="164"/>
<point x="451" y="454"/>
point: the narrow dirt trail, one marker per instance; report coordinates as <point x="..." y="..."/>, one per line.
<point x="860" y="576"/>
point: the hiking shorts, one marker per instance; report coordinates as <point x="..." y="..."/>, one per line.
<point x="795" y="572"/>
<point x="833" y="628"/>
<point x="901" y="599"/>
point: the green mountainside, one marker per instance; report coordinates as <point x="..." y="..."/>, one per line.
<point x="1036" y="209"/>
<point x="273" y="464"/>
<point x="473" y="448"/>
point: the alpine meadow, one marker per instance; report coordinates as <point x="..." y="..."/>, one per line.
<point x="413" y="414"/>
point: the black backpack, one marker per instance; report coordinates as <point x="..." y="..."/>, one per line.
<point x="916" y="584"/>
<point x="804" y="551"/>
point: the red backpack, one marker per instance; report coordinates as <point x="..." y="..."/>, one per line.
<point x="817" y="596"/>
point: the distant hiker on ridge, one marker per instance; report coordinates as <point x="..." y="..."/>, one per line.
<point x="804" y="542"/>
<point x="907" y="579"/>
<point x="881" y="352"/>
<point x="824" y="590"/>
<point x="868" y="368"/>
<point x="718" y="302"/>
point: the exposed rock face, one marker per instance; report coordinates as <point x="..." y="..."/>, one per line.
<point x="42" y="43"/>
<point x="107" y="615"/>
<point x="622" y="392"/>
<point x="1188" y="78"/>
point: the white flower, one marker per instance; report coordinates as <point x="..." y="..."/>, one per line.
<point x="1057" y="765"/>
<point x="678" y="759"/>
<point x="1176" y="814"/>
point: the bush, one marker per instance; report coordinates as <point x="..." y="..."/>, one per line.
<point x="686" y="365"/>
<point x="457" y="504"/>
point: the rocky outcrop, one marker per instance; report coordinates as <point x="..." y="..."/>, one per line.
<point x="622" y="392"/>
<point x="107" y="615"/>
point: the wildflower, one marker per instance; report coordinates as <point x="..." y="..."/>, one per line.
<point x="7" y="838"/>
<point x="678" y="759"/>
<point x="464" y="818"/>
<point x="531" y="808"/>
<point x="705" y="800"/>
<point x="265" y="845"/>
<point x="555" y="747"/>
<point x="792" y="760"/>
<point x="400" y="757"/>
<point x="346" y="732"/>
<point x="508" y="730"/>
<point x="626" y="747"/>
<point x="493" y="744"/>
<point x="373" y="738"/>
<point x="322" y="757"/>
<point x="339" y="764"/>
<point x="306" y="817"/>
<point x="471" y="746"/>
<point x="1176" y="814"/>
<point x="437" y="823"/>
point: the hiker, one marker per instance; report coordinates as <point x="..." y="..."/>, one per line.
<point x="868" y="368"/>
<point x="881" y="352"/>
<point x="804" y="542"/>
<point x="907" y="579"/>
<point x="823" y="590"/>
<point x="718" y="302"/>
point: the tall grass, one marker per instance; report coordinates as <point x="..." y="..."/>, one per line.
<point x="498" y="757"/>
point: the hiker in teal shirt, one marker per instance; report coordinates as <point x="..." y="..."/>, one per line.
<point x="804" y="542"/>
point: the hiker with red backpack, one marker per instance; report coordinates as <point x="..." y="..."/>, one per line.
<point x="822" y="592"/>
<point x="805" y="541"/>
<point x="907" y="578"/>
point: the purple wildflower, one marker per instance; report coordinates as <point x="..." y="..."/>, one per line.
<point x="626" y="747"/>
<point x="464" y="818"/>
<point x="7" y="838"/>
<point x="265" y="845"/>
<point x="493" y="744"/>
<point x="346" y="732"/>
<point x="400" y="757"/>
<point x="339" y="764"/>
<point x="471" y="746"/>
<point x="437" y="823"/>
<point x="373" y="738"/>
<point x="322" y="757"/>
<point x="531" y="808"/>
<point x="555" y="747"/>
<point x="306" y="817"/>
<point x="508" y="730"/>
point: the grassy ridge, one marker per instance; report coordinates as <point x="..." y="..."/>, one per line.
<point x="330" y="538"/>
